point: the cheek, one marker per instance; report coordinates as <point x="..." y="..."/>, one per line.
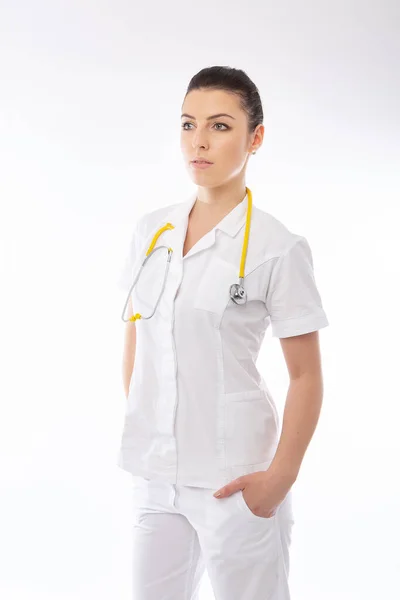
<point x="231" y="145"/>
<point x="184" y="144"/>
<point x="231" y="155"/>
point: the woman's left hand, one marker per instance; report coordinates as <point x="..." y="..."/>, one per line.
<point x="263" y="491"/>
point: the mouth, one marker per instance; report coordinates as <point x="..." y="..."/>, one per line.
<point x="200" y="165"/>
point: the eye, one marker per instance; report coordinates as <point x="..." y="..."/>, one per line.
<point x="223" y="124"/>
<point x="227" y="126"/>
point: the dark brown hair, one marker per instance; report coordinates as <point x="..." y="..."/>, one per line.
<point x="234" y="81"/>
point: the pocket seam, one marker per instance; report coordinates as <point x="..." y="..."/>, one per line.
<point x="245" y="395"/>
<point x="248" y="509"/>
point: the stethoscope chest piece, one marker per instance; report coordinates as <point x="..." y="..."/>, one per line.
<point x="238" y="293"/>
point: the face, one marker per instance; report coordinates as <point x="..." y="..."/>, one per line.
<point x="223" y="140"/>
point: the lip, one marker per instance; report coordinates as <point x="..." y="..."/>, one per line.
<point x="201" y="164"/>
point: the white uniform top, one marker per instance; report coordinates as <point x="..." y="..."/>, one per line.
<point x="198" y="411"/>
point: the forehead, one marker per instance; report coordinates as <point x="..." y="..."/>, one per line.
<point x="203" y="103"/>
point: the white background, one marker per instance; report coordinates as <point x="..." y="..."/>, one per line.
<point x="90" y="104"/>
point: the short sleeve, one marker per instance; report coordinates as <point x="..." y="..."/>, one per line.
<point x="293" y="300"/>
<point x="125" y="277"/>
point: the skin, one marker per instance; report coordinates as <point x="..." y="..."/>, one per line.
<point x="226" y="142"/>
<point x="264" y="491"/>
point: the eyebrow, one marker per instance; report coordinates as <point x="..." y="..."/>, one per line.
<point x="208" y="118"/>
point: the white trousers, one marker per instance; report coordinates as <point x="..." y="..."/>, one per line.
<point x="179" y="531"/>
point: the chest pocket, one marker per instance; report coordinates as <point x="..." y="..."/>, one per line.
<point x="213" y="290"/>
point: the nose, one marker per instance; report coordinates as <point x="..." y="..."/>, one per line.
<point x="199" y="139"/>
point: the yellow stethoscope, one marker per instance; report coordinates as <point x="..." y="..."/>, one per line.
<point x="236" y="290"/>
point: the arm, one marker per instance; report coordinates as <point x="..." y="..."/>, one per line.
<point x="303" y="402"/>
<point x="128" y="358"/>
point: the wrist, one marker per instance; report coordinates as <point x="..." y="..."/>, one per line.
<point x="284" y="472"/>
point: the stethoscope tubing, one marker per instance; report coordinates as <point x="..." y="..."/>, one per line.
<point x="236" y="291"/>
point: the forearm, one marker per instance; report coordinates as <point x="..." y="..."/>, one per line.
<point x="128" y="359"/>
<point x="300" y="418"/>
<point x="127" y="370"/>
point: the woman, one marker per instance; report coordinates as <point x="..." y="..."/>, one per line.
<point x="199" y="417"/>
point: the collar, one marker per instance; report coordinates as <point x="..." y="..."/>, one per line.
<point x="230" y="224"/>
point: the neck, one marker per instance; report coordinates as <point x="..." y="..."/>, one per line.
<point x="221" y="199"/>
